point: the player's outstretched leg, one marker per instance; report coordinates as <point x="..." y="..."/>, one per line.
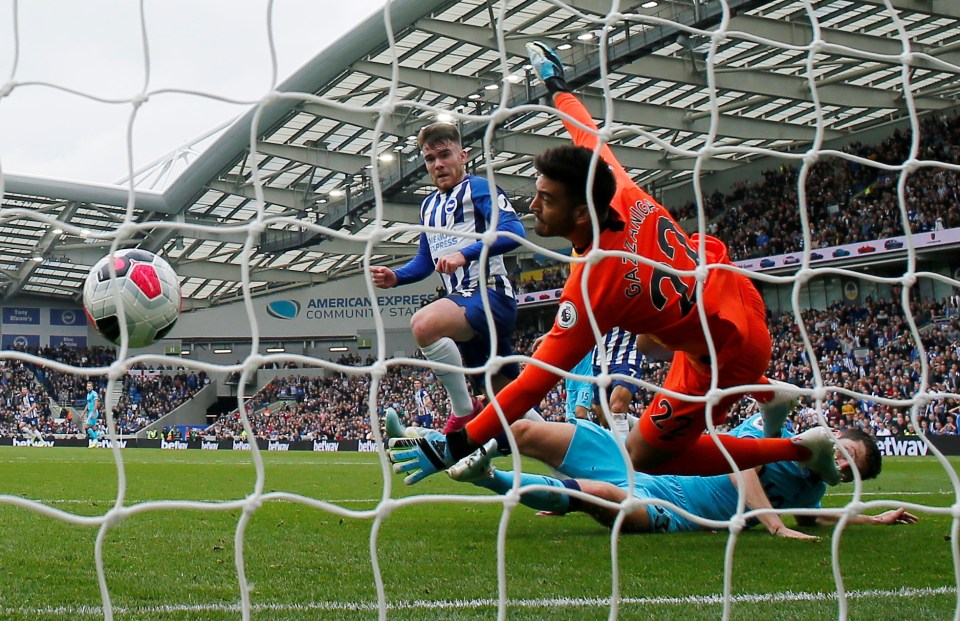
<point x="776" y="410"/>
<point x="822" y="446"/>
<point x="475" y="466"/>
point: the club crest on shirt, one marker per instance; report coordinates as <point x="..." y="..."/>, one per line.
<point x="567" y="315"/>
<point x="451" y="205"/>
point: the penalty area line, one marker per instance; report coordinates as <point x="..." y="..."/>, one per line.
<point x="596" y="602"/>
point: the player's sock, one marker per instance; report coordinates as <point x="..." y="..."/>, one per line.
<point x="542" y="500"/>
<point x="92" y="434"/>
<point x="445" y="351"/>
<point x="632" y="421"/>
<point x="621" y="428"/>
<point x="704" y="458"/>
<point x="534" y="416"/>
<point x="775" y="406"/>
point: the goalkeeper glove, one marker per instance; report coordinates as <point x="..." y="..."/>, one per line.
<point x="420" y="457"/>
<point x="548" y="66"/>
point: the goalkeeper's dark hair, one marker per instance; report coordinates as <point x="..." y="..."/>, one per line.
<point x="873" y="457"/>
<point x="570" y="165"/>
<point x="438" y="133"/>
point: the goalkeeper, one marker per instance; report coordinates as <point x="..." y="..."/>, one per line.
<point x="588" y="454"/>
<point x="662" y="306"/>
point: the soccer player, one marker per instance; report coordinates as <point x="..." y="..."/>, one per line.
<point x="588" y="455"/>
<point x="30" y="416"/>
<point x="579" y="392"/>
<point x="622" y="358"/>
<point x="453" y="329"/>
<point x="424" y="403"/>
<point x="91" y="414"/>
<point x="659" y="301"/>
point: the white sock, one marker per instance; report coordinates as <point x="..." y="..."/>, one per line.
<point x="632" y="421"/>
<point x="445" y="350"/>
<point x="534" y="416"/>
<point x="620" y="426"/>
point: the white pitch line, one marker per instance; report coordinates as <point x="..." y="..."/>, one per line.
<point x="694" y="600"/>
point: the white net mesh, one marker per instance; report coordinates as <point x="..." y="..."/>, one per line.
<point x="710" y="123"/>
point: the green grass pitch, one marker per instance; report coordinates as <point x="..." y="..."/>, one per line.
<point x="438" y="559"/>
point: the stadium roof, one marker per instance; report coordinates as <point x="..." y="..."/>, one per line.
<point x="319" y="138"/>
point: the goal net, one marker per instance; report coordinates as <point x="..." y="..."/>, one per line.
<point x="816" y="138"/>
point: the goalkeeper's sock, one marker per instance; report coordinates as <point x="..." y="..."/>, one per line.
<point x="92" y="434"/>
<point x="445" y="351"/>
<point x="704" y="458"/>
<point x="541" y="500"/>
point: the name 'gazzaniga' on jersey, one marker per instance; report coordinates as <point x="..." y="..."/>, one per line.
<point x="466" y="208"/>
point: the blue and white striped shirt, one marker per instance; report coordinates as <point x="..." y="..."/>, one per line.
<point x="620" y="347"/>
<point x="466" y="208"/>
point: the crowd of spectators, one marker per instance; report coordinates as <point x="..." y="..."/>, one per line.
<point x="146" y="394"/>
<point x="870" y="350"/>
<point x="544" y="280"/>
<point x="847" y="201"/>
<point x="145" y="398"/>
<point x="334" y="407"/>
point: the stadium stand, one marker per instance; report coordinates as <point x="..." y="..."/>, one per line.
<point x="146" y="394"/>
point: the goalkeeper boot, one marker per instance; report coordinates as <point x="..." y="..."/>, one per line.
<point x="547" y="66"/>
<point x="775" y="411"/>
<point x="821" y="443"/>
<point x="476" y="466"/>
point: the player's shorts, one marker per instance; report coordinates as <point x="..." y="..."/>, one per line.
<point x="594" y="454"/>
<point x="91" y="420"/>
<point x="633" y="371"/>
<point x="33" y="422"/>
<point x="739" y="329"/>
<point x="476" y="352"/>
<point x="424" y="420"/>
<point x="579" y="394"/>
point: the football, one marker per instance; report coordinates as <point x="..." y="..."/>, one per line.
<point x="149" y="292"/>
